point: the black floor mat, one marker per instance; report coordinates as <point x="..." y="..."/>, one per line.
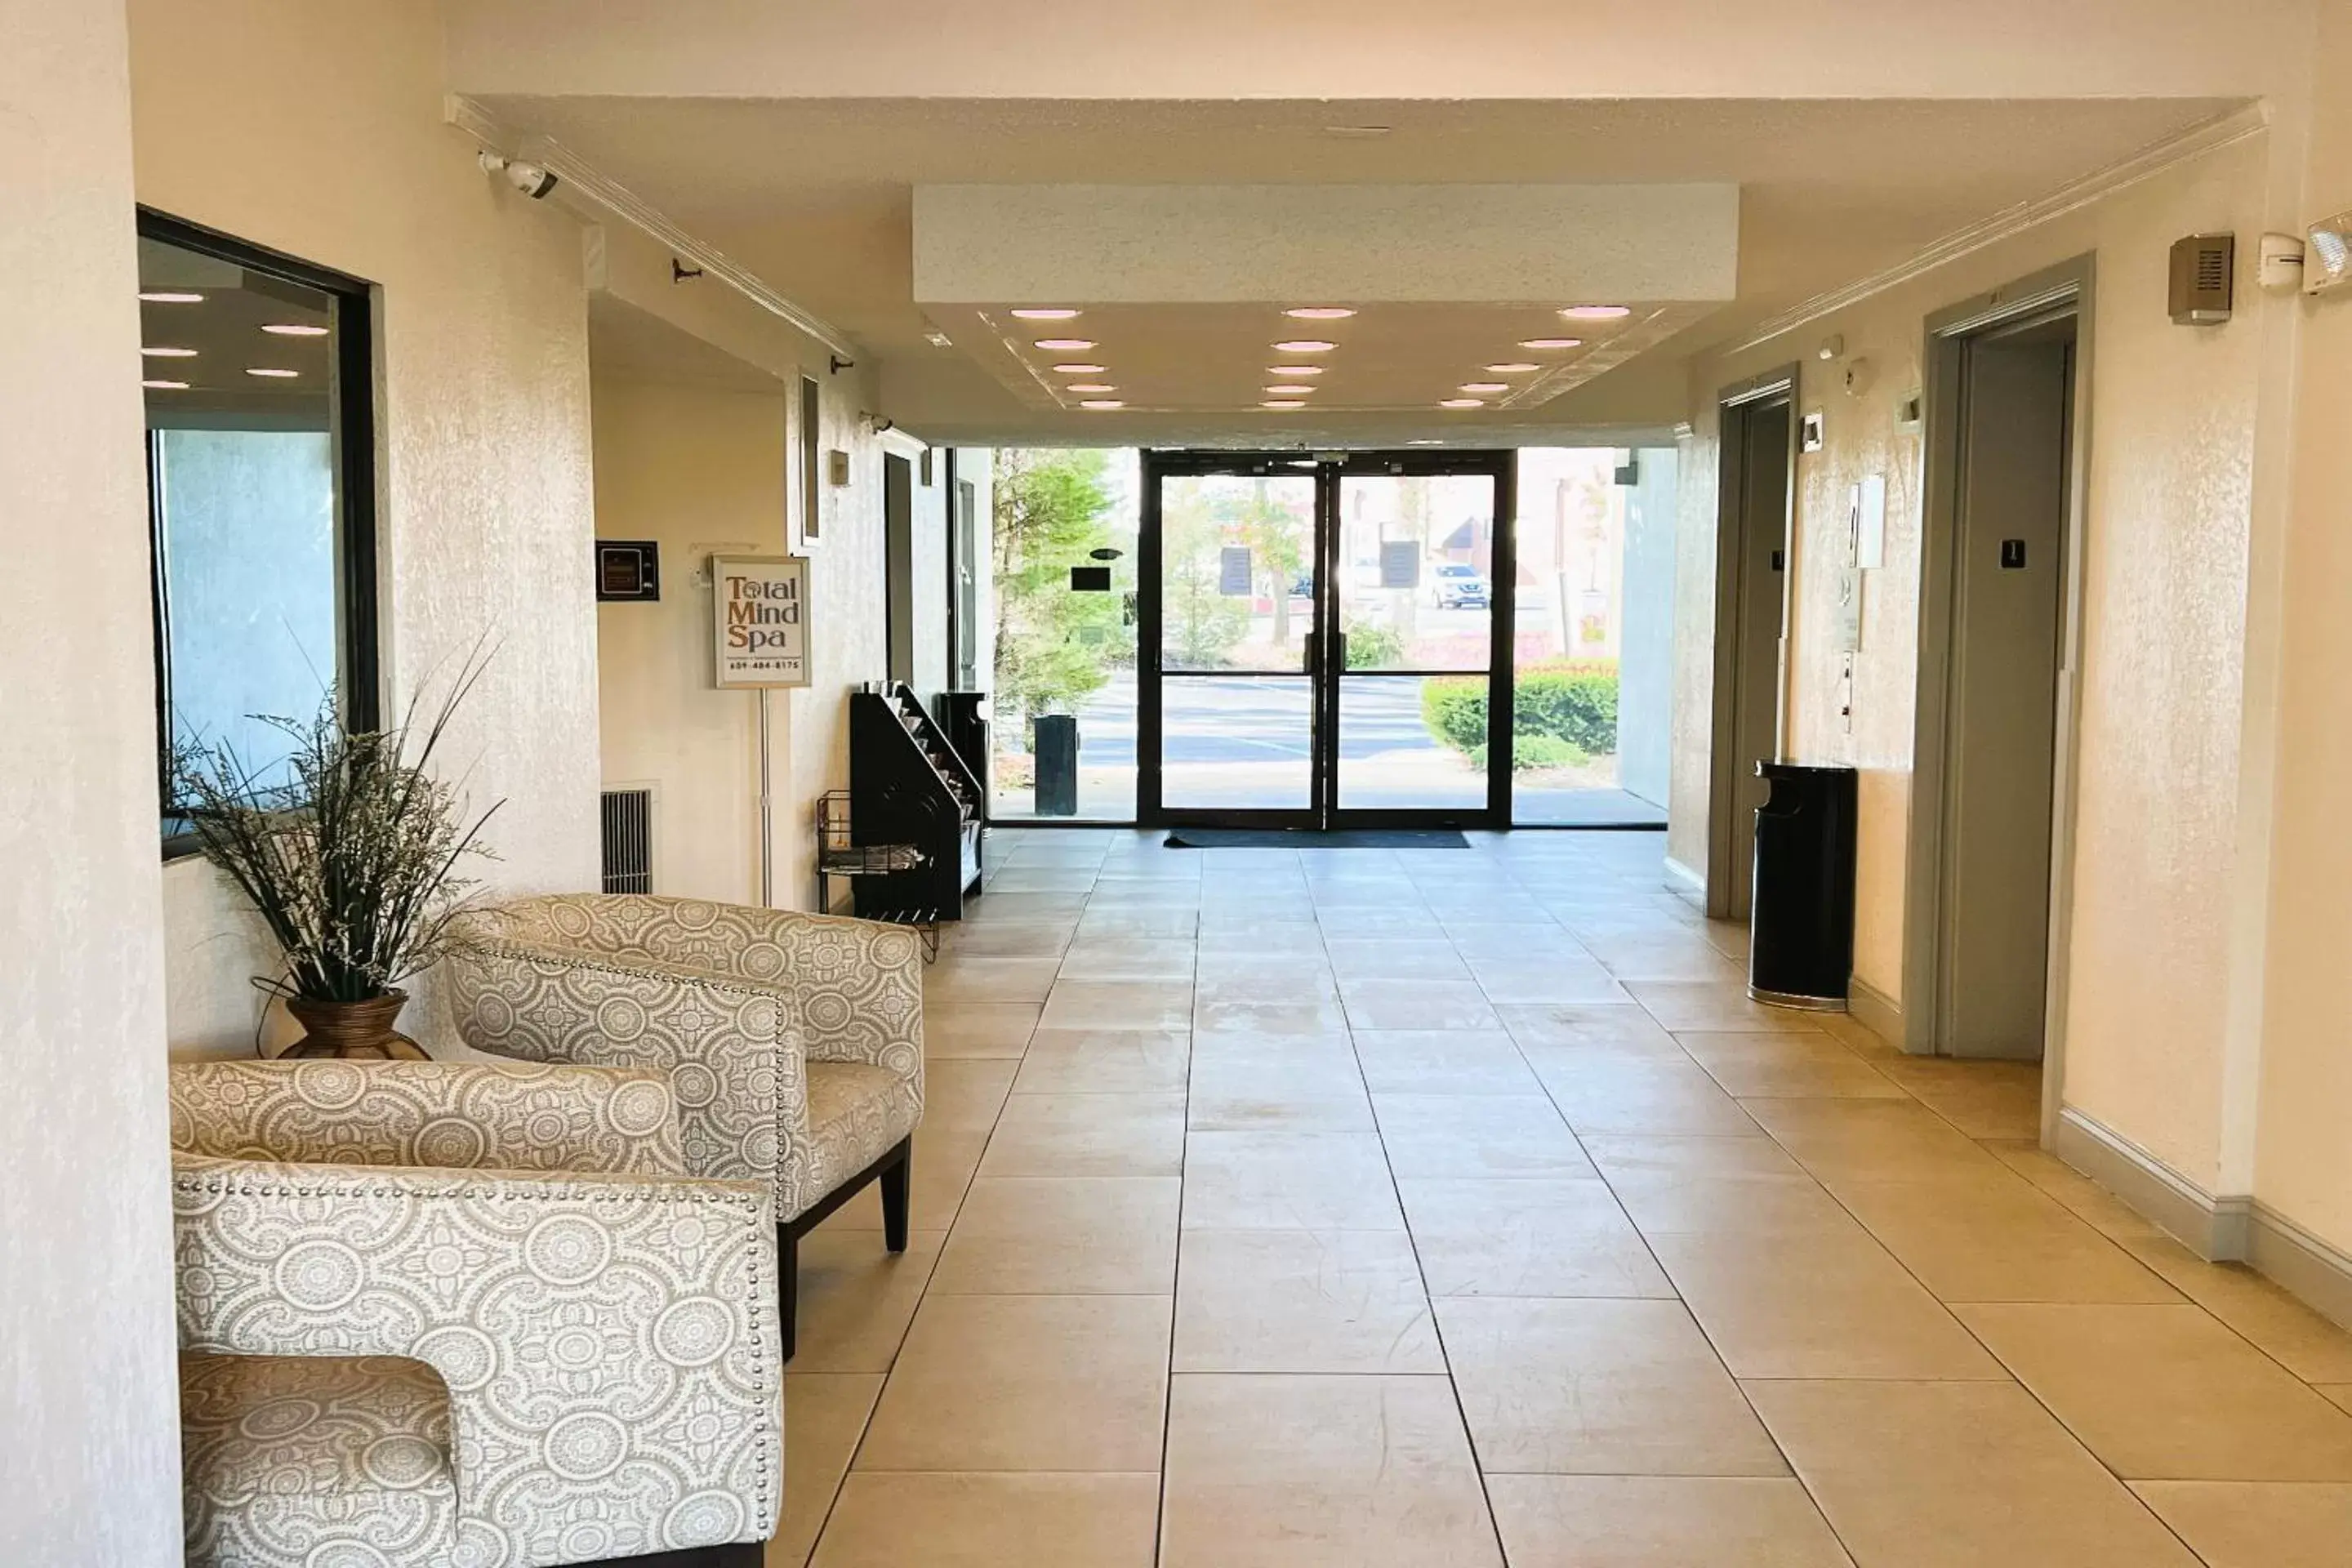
<point x="1310" y="838"/>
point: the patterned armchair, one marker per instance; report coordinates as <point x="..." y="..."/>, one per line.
<point x="459" y="1313"/>
<point x="794" y="1041"/>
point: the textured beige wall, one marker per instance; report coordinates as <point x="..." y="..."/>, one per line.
<point x="2171" y="454"/>
<point x="89" y="1442"/>
<point x="316" y="130"/>
<point x="2305" y="1157"/>
<point x="702" y="470"/>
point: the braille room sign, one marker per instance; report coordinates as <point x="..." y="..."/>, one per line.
<point x="759" y="606"/>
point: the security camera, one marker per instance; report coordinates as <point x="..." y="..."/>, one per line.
<point x="533" y="180"/>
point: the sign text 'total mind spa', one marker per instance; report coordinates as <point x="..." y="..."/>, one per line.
<point x="760" y="620"/>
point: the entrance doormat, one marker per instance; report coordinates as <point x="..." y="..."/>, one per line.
<point x="1310" y="839"/>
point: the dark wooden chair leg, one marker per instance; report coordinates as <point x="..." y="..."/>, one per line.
<point x="896" y="1180"/>
<point x="788" y="1282"/>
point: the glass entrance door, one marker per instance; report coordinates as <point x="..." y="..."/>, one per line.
<point x="1319" y="638"/>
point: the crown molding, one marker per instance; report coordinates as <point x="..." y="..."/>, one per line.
<point x="2207" y="136"/>
<point x="601" y="191"/>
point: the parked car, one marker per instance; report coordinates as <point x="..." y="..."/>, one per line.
<point x="1460" y="587"/>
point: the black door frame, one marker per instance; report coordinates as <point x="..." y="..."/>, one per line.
<point x="1325" y="661"/>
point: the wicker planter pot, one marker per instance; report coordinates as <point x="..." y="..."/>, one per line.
<point x="355" y="1031"/>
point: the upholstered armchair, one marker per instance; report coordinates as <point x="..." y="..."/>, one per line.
<point x="465" y="1315"/>
<point x="794" y="1041"/>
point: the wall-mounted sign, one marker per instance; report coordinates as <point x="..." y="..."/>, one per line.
<point x="1233" y="571"/>
<point x="760" y="620"/>
<point x="1400" y="563"/>
<point x="627" y="569"/>
<point x="1090" y="579"/>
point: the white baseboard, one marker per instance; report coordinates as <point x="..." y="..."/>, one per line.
<point x="1875" y="1010"/>
<point x="2215" y="1229"/>
<point x="1685" y="883"/>
<point x="2300" y="1261"/>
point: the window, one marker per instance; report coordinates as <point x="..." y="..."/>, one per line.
<point x="260" y="490"/>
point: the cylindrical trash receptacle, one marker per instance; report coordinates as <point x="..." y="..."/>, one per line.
<point x="1801" y="930"/>
<point x="1056" y="749"/>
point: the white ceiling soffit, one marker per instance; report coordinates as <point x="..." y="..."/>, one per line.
<point x="1358" y="244"/>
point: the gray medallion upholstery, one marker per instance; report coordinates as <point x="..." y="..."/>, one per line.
<point x="793" y="1042"/>
<point x="500" y="1330"/>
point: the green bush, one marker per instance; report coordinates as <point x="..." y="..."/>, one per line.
<point x="1574" y="703"/>
<point x="1371" y="645"/>
<point x="1532" y="751"/>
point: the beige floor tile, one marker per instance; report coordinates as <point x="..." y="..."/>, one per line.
<point x="1982" y="1098"/>
<point x="990" y="978"/>
<point x="2257" y="1524"/>
<point x="1607" y="1091"/>
<point x="1290" y="984"/>
<point x="1662" y="955"/>
<point x="1957" y="1474"/>
<point x="1118" y="1005"/>
<point x="1416" y="1005"/>
<point x="1255" y="1017"/>
<point x="825" y="1415"/>
<point x="1320" y="1472"/>
<point x="1618" y="1027"/>
<point x="1222" y="1047"/>
<point x="1997" y="1238"/>
<point x="1076" y="878"/>
<point x="2341" y="1392"/>
<point x="887" y="1519"/>
<point x="2168" y="1394"/>
<point x="857" y="1297"/>
<point x="1477" y="1135"/>
<point x="1660" y="1521"/>
<point x="1302" y="1092"/>
<point x="2090" y="1203"/>
<point x="1871" y="1140"/>
<point x="1752" y="1157"/>
<point x="1128" y="958"/>
<point x="1682" y="1004"/>
<point x="1288" y="1181"/>
<point x="1025" y="1383"/>
<point x="2299" y="1339"/>
<point x="1063" y="1235"/>
<point x="1300" y="1300"/>
<point x="944" y="1160"/>
<point x="1825" y="1302"/>
<point x="1019" y="908"/>
<point x="965" y="1094"/>
<point x="1523" y="983"/>
<point x="978" y="1028"/>
<point x="1006" y="938"/>
<point x="1780" y="1063"/>
<point x="1597" y="1387"/>
<point x="1244" y="932"/>
<point x="1394" y="958"/>
<point x="1697" y="1186"/>
<point x="1105" y="1061"/>
<point x="1442" y="1062"/>
<point x="1108" y="920"/>
<point x="1089" y="1135"/>
<point x="1528" y="1239"/>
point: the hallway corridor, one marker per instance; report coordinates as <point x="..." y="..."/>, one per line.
<point x="1434" y="1207"/>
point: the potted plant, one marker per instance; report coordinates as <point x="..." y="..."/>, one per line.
<point x="353" y="861"/>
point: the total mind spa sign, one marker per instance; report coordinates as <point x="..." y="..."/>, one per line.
<point x="759" y="619"/>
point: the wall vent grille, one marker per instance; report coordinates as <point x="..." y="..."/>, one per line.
<point x="628" y="840"/>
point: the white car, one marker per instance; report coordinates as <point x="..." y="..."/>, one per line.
<point x="1460" y="587"/>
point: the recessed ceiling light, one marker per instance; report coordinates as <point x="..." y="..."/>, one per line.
<point x="1305" y="346"/>
<point x="272" y="371"/>
<point x="1287" y="391"/>
<point x="164" y="386"/>
<point x="170" y="297"/>
<point x="1294" y="370"/>
<point x="1484" y="387"/>
<point x="1596" y="312"/>
<point x="1099" y="402"/>
<point x="168" y="353"/>
<point x="1319" y="312"/>
<point x="1282" y="403"/>
<point x="1358" y="130"/>
<point x="1093" y="386"/>
<point x="1065" y="345"/>
<point x="1551" y="342"/>
<point x="1462" y="403"/>
<point x="293" y="329"/>
<point x="938" y="340"/>
<point x="1045" y="313"/>
<point x="1519" y="369"/>
<point x="1424" y="441"/>
<point x="1079" y="369"/>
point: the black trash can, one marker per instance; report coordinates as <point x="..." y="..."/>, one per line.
<point x="1056" y="749"/>
<point x="1800" y="930"/>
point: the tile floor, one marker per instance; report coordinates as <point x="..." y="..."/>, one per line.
<point x="1454" y="1207"/>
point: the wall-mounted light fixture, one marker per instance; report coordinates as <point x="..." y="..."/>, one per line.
<point x="2203" y="278"/>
